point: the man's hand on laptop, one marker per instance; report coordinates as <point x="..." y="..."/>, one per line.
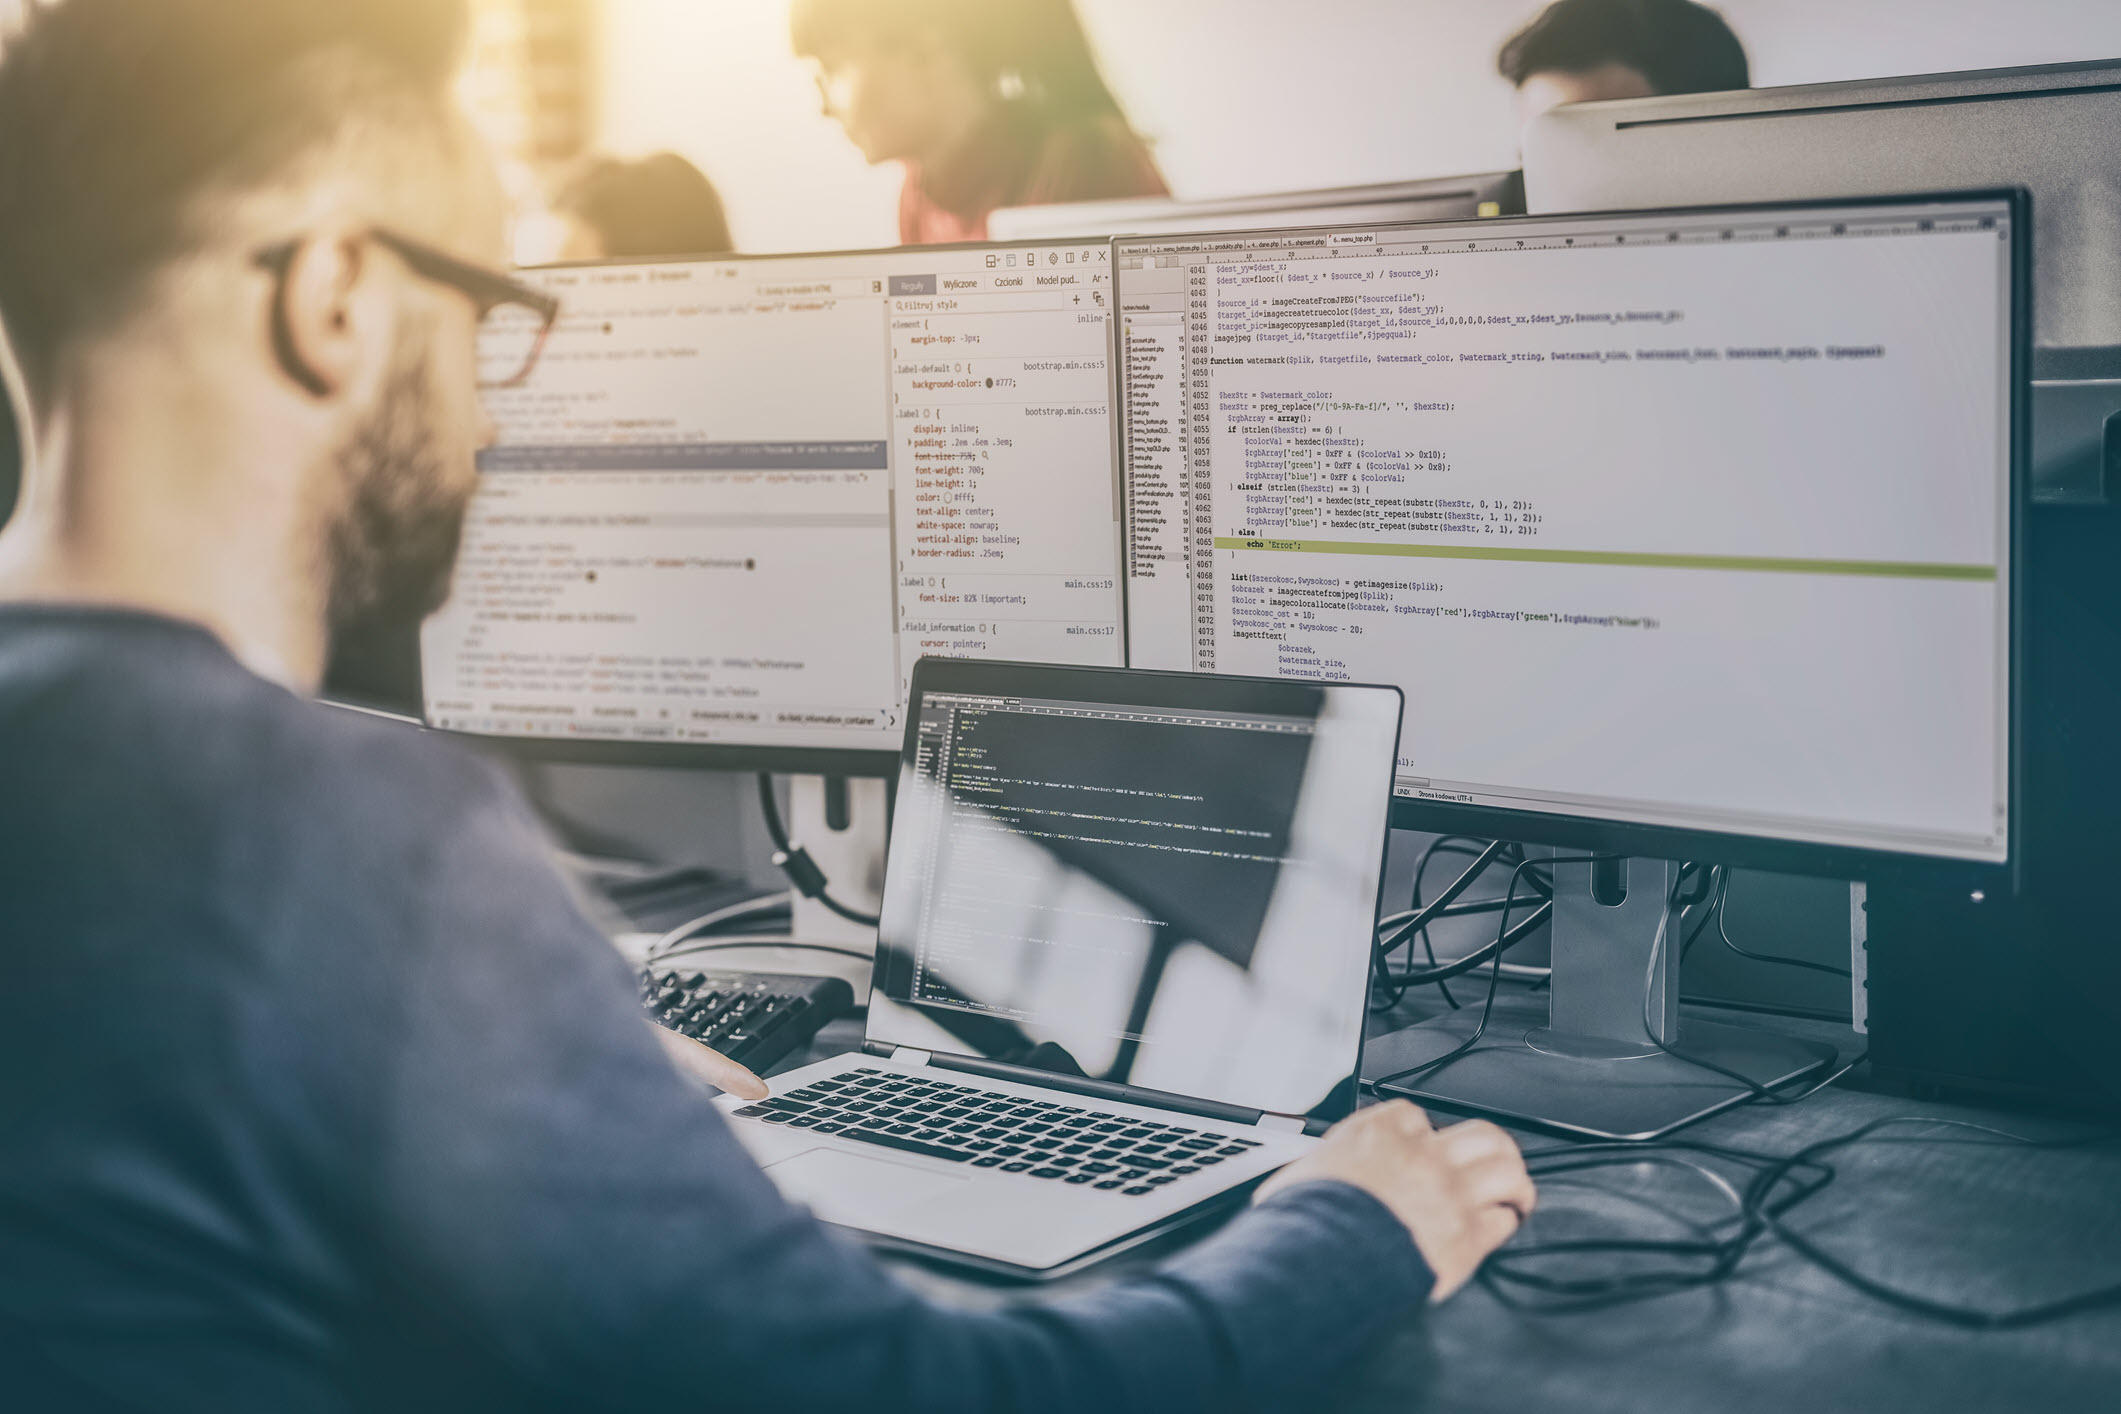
<point x="708" y="1064"/>
<point x="1461" y="1191"/>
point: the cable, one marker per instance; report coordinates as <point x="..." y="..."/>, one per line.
<point x="1421" y="917"/>
<point x="1757" y="1091"/>
<point x="749" y="908"/>
<point x="1722" y="914"/>
<point x="795" y="861"/>
<point x="1503" y="940"/>
<point x="1964" y="1317"/>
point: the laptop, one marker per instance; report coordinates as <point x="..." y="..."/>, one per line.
<point x="1122" y="969"/>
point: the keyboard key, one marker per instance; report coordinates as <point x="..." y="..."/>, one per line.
<point x="1207" y="1159"/>
<point x="1111" y="1183"/>
<point x="1137" y="1134"/>
<point x="830" y="1128"/>
<point x="964" y="1129"/>
<point x="1109" y="1128"/>
<point x="1137" y="1191"/>
<point x="1102" y="1155"/>
<point x="1099" y="1168"/>
<point x="1014" y="1168"/>
<point x="909" y="1146"/>
<point x="928" y="1135"/>
<point x="802" y="1122"/>
<point x="1007" y="1151"/>
<point x="1075" y="1148"/>
<point x="1061" y="1163"/>
<point x="1161" y="1179"/>
<point x="1049" y="1173"/>
<point x="1185" y="1168"/>
<point x="777" y="1117"/>
<point x="977" y="1145"/>
<point x="1132" y="1174"/>
<point x="1230" y="1151"/>
<point x="901" y="1129"/>
<point x="985" y="1163"/>
<point x="751" y="1111"/>
<point x="1081" y="1178"/>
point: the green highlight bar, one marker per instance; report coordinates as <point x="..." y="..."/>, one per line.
<point x="1749" y="564"/>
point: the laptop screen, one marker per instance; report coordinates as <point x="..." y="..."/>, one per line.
<point x="1160" y="882"/>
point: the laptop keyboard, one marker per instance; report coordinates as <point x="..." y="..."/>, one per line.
<point x="964" y="1125"/>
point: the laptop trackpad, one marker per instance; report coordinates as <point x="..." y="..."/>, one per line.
<point x="852" y="1189"/>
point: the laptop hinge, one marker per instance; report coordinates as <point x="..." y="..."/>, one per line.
<point x="1281" y="1124"/>
<point x="877" y="1048"/>
<point x="906" y="1055"/>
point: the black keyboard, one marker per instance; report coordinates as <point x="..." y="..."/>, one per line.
<point x="965" y="1125"/>
<point x="754" y="1018"/>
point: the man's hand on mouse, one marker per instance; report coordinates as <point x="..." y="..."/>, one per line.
<point x="1462" y="1192"/>
<point x="707" y="1064"/>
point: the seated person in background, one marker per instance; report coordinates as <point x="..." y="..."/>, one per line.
<point x="987" y="104"/>
<point x="659" y="205"/>
<point x="316" y="1091"/>
<point x="1585" y="51"/>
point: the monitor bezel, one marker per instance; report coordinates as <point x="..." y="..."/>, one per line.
<point x="879" y="762"/>
<point x="1725" y="846"/>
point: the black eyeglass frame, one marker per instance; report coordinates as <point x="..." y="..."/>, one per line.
<point x="486" y="288"/>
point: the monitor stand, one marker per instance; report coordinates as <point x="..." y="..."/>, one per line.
<point x="1583" y="1063"/>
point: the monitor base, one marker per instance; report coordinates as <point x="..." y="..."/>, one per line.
<point x="1522" y="1073"/>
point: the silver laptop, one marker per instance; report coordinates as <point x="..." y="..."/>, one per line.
<point x="1123" y="965"/>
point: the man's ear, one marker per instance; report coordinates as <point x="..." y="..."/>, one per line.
<point x="319" y="333"/>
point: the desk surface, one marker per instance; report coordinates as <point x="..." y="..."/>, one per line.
<point x="1965" y="1222"/>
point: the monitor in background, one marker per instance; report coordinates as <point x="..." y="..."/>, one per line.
<point x="739" y="497"/>
<point x="1688" y="535"/>
<point x="2049" y="129"/>
<point x="1437" y="199"/>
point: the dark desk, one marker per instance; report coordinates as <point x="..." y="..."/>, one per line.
<point x="1993" y="1226"/>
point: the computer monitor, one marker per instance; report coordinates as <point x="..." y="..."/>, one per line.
<point x="1436" y="199"/>
<point x="1690" y="535"/>
<point x="2049" y="129"/>
<point x="739" y="497"/>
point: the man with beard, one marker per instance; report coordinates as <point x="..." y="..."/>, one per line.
<point x="316" y="1092"/>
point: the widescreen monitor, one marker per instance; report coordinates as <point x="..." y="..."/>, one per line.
<point x="1688" y="534"/>
<point x="2049" y="129"/>
<point x="738" y="498"/>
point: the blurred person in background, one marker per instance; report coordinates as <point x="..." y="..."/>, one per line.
<point x="658" y="205"/>
<point x="987" y="104"/>
<point x="1586" y="51"/>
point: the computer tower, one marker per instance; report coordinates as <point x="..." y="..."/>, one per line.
<point x="2019" y="995"/>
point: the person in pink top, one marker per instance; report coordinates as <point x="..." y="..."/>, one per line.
<point x="986" y="104"/>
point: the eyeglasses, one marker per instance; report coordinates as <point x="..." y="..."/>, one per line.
<point x="515" y="319"/>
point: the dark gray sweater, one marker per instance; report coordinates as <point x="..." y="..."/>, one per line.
<point x="317" y="1093"/>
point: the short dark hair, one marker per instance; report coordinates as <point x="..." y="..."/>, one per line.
<point x="659" y="205"/>
<point x="118" y="116"/>
<point x="1679" y="46"/>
